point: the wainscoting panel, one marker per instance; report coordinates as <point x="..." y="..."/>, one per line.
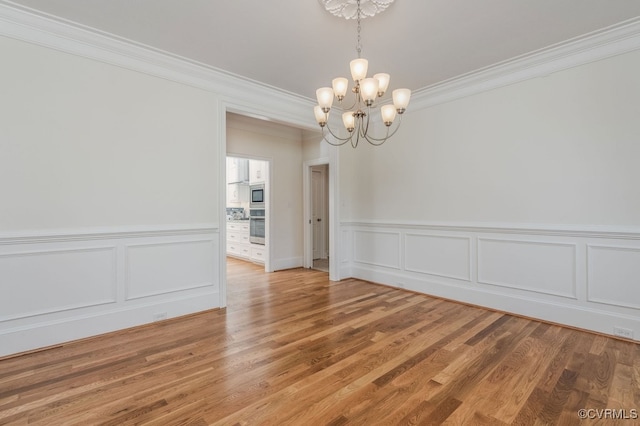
<point x="614" y="275"/>
<point x="542" y="267"/>
<point x="62" y="286"/>
<point x="585" y="278"/>
<point x="167" y="267"/>
<point x="40" y="282"/>
<point x="346" y="249"/>
<point x="378" y="248"/>
<point x="445" y="256"/>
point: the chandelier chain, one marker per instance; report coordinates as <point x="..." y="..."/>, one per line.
<point x="359" y="45"/>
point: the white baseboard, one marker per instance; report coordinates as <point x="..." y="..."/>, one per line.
<point x="61" y="286"/>
<point x="545" y="310"/>
<point x="580" y="278"/>
<point x="53" y="332"/>
<point x="290" y="263"/>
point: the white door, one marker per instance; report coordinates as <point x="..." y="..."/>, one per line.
<point x="318" y="210"/>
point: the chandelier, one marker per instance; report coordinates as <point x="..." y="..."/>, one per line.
<point x="357" y="117"/>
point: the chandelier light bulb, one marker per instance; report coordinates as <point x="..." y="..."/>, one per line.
<point x="388" y="113"/>
<point x="369" y="90"/>
<point x="383" y="82"/>
<point x="325" y="98"/>
<point x="401" y="99"/>
<point x="359" y="69"/>
<point x="349" y="120"/>
<point x="321" y="117"/>
<point x="340" y="86"/>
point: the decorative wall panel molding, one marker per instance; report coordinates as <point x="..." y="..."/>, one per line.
<point x="167" y="267"/>
<point x="442" y="255"/>
<point x="61" y="286"/>
<point x="378" y="248"/>
<point x="38" y="282"/>
<point x="613" y="275"/>
<point x="584" y="278"/>
<point x="542" y="267"/>
<point x="346" y="249"/>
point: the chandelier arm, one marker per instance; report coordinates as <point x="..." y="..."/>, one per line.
<point x="355" y="144"/>
<point x="355" y="102"/>
<point x="364" y="123"/>
<point x="377" y="142"/>
<point x="387" y="136"/>
<point x="356" y="99"/>
<point x="334" y="144"/>
<point x="342" y="140"/>
<point x="336" y="136"/>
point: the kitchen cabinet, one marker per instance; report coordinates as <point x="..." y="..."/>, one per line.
<point x="257" y="253"/>
<point x="237" y="193"/>
<point x="257" y="171"/>
<point x="237" y="170"/>
<point x="238" y="244"/>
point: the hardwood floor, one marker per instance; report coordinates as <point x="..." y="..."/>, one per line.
<point x="294" y="348"/>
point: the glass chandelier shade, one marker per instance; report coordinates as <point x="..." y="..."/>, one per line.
<point x="366" y="90"/>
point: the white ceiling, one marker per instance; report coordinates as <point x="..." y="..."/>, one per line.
<point x="297" y="46"/>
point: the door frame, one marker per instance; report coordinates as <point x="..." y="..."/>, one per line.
<point x="333" y="214"/>
<point x="320" y="208"/>
<point x="227" y="105"/>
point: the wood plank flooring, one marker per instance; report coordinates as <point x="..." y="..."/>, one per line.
<point x="294" y="348"/>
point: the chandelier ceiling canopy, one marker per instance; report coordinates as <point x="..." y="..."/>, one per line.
<point x="348" y="9"/>
<point x="357" y="117"/>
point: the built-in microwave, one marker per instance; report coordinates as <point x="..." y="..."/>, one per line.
<point x="256" y="196"/>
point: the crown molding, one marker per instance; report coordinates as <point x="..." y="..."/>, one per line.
<point x="607" y="42"/>
<point x="28" y="25"/>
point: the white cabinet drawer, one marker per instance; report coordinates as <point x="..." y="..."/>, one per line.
<point x="239" y="250"/>
<point x="257" y="253"/>
<point x="233" y="248"/>
<point x="234" y="237"/>
<point x="238" y="243"/>
<point x="237" y="227"/>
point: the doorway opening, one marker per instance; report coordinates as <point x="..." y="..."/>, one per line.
<point x="247" y="209"/>
<point x="320" y="217"/>
<point x="317" y="194"/>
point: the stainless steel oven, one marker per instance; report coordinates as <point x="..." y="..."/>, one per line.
<point x="257" y="214"/>
<point x="256" y="226"/>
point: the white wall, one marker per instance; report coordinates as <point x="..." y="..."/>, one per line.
<point x="109" y="184"/>
<point x="314" y="147"/>
<point x="523" y="198"/>
<point x="85" y="144"/>
<point x="556" y="150"/>
<point x="282" y="146"/>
